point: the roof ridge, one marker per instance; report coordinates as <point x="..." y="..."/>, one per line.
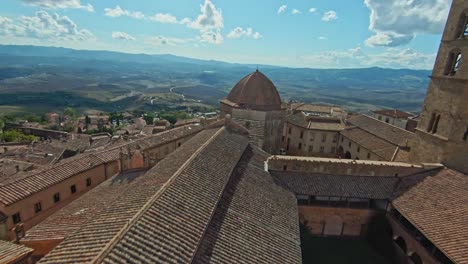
<point x="110" y="245"/>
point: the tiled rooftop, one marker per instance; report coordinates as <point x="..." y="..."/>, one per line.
<point x="371" y="187"/>
<point x="10" y="252"/>
<point x="187" y="207"/>
<point x="438" y="208"/>
<point x="390" y="133"/>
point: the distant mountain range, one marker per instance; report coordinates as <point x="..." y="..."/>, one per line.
<point x="109" y="77"/>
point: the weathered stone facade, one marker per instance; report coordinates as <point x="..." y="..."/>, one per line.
<point x="442" y="131"/>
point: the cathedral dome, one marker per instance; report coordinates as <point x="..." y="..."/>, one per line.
<point x="255" y="91"/>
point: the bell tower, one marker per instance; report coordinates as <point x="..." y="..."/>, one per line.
<point x="442" y="133"/>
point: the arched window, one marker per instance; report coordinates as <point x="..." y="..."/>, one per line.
<point x="464" y="25"/>
<point x="454" y="63"/>
<point x="415" y="258"/>
<point x="401" y="243"/>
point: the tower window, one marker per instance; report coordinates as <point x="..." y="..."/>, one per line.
<point x="455" y="61"/>
<point x="299" y="146"/>
<point x="436" y="124"/>
<point x="289" y="130"/>
<point x="464" y="27"/>
<point x="301" y="135"/>
<point x="465" y="136"/>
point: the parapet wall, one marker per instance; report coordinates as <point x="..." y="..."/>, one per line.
<point x="342" y="166"/>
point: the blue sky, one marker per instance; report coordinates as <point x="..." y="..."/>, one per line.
<point x="295" y="33"/>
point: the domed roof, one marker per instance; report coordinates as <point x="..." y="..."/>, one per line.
<point x="255" y="91"/>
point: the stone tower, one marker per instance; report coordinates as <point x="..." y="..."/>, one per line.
<point x="442" y="133"/>
<point x="255" y="103"/>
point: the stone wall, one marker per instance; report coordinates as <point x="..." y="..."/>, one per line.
<point x="329" y="221"/>
<point x="342" y="166"/>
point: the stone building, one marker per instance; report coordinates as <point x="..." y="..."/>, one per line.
<point x="367" y="138"/>
<point x="27" y="198"/>
<point x="442" y="133"/>
<point x="255" y="103"/>
<point x="210" y="201"/>
<point x="311" y="135"/>
<point x="393" y="116"/>
<point x="317" y="110"/>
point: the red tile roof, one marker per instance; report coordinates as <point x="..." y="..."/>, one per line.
<point x="438" y="208"/>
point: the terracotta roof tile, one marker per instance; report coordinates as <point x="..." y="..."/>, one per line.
<point x="395" y="113"/>
<point x="390" y="133"/>
<point x="11" y="253"/>
<point x="379" y="146"/>
<point x="438" y="207"/>
<point x="371" y="187"/>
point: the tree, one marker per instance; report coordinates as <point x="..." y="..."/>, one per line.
<point x="16" y="136"/>
<point x="149" y="118"/>
<point x="70" y="112"/>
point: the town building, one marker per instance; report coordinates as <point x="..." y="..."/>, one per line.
<point x="255" y="103"/>
<point x="317" y="110"/>
<point x="29" y="196"/>
<point x="367" y="138"/>
<point x="311" y="135"/>
<point x="393" y="116"/>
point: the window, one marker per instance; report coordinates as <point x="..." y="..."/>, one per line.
<point x="287" y="145"/>
<point x="358" y="149"/>
<point x="324" y="137"/>
<point x="454" y="63"/>
<point x="289" y="130"/>
<point x="342" y="139"/>
<point x="333" y="149"/>
<point x="387" y="120"/>
<point x="56" y="197"/>
<point x="312" y="137"/>
<point x="37" y="207"/>
<point x="88" y="182"/>
<point x="433" y="123"/>
<point x="16" y="218"/>
<point x="178" y="144"/>
<point x="368" y="155"/>
<point x="299" y="146"/>
<point x="311" y="148"/>
<point x="380" y="117"/>
<point x="465" y="136"/>
<point x="73" y="189"/>
<point x="464" y="27"/>
<point x="349" y="144"/>
<point x="301" y="135"/>
<point x="282" y="139"/>
<point x="322" y="149"/>
<point x="285" y="167"/>
<point x="335" y="138"/>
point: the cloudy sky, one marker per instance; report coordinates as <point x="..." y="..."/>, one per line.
<point x="295" y="33"/>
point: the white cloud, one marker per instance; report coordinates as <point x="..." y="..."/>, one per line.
<point x="163" y="40"/>
<point x="397" y="22"/>
<point x="295" y="11"/>
<point x="282" y="8"/>
<point x="210" y="23"/>
<point x="44" y="26"/>
<point x="118" y="12"/>
<point x="356" y="58"/>
<point x="322" y="38"/>
<point x="239" y="32"/>
<point x="329" y="16"/>
<point x="122" y="36"/>
<point x="312" y="10"/>
<point x="164" y="18"/>
<point x="60" y="4"/>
